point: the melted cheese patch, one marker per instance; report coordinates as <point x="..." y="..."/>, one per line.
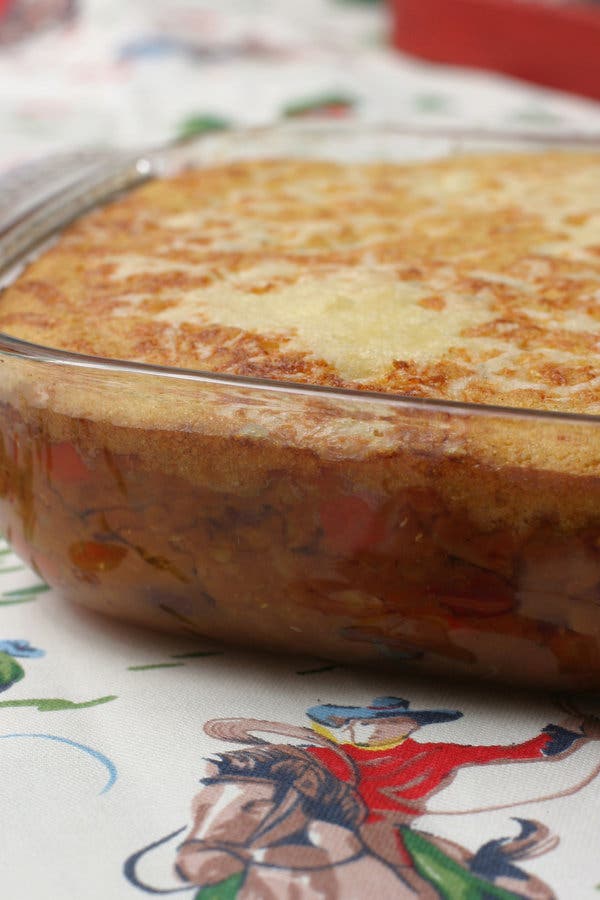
<point x="360" y="322"/>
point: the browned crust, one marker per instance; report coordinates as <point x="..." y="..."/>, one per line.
<point x="516" y="234"/>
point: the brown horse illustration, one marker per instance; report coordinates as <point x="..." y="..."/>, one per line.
<point x="333" y="815"/>
<point x="273" y="822"/>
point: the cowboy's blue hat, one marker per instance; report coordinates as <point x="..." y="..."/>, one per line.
<point x="381" y="708"/>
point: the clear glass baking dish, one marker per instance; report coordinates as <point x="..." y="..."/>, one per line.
<point x="423" y="535"/>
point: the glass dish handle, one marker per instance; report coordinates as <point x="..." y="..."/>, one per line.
<point x="41" y="196"/>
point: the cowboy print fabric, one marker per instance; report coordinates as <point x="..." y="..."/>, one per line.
<point x="137" y="765"/>
<point x="338" y="813"/>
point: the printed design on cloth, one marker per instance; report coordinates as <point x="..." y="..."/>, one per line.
<point x="333" y="105"/>
<point x="335" y="813"/>
<point x="12" y="671"/>
<point x="9" y="565"/>
<point x="101" y="758"/>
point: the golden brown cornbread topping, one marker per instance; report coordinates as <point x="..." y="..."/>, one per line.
<point x="475" y="278"/>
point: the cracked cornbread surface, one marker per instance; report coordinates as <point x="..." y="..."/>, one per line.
<point x="475" y="278"/>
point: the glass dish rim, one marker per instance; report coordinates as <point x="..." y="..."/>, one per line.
<point x="150" y="165"/>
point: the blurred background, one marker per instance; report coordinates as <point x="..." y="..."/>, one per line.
<point x="139" y="72"/>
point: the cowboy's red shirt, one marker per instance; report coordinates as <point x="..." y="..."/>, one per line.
<point x="399" y="778"/>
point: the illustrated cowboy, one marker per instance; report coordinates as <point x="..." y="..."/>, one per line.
<point x="332" y="815"/>
<point x="396" y="776"/>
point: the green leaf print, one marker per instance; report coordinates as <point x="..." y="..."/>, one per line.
<point x="9" y="569"/>
<point x="10" y="671"/>
<point x="224" y="890"/>
<point x="451" y="880"/>
<point x="53" y="704"/>
<point x="17" y="601"/>
<point x="535" y="115"/>
<point x="164" y="665"/>
<point x="19" y="593"/>
<point x="330" y="103"/>
<point x="201" y="124"/>
<point x="431" y="103"/>
<point x="195" y="654"/>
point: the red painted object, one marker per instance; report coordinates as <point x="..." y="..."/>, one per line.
<point x="553" y="45"/>
<point x="4" y="5"/>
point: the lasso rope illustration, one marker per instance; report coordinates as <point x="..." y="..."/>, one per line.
<point x="95" y="754"/>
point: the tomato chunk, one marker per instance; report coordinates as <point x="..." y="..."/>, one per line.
<point x="65" y="465"/>
<point x="93" y="556"/>
<point x="351" y="523"/>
